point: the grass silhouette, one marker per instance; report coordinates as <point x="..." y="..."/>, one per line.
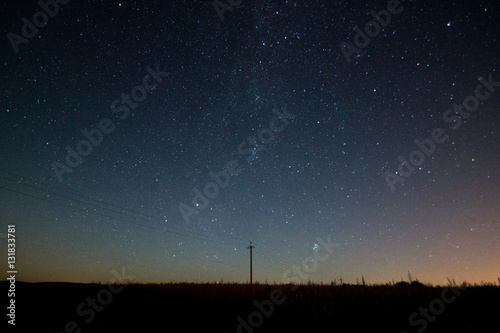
<point x="216" y="307"/>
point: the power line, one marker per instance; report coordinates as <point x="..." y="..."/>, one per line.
<point x="147" y="218"/>
<point x="68" y="191"/>
<point x="72" y="207"/>
<point x="177" y="232"/>
<point x="169" y="229"/>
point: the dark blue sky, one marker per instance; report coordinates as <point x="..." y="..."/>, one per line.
<point x="267" y="91"/>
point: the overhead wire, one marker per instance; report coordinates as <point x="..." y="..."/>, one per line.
<point x="234" y="241"/>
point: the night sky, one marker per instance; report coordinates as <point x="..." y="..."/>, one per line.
<point x="275" y="122"/>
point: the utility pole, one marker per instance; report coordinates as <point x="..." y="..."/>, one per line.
<point x="250" y="247"/>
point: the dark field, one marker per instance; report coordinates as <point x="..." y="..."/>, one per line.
<point x="52" y="307"/>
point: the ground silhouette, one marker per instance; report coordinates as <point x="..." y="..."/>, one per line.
<point x="230" y="307"/>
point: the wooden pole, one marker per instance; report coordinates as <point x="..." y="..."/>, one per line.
<point x="250" y="247"/>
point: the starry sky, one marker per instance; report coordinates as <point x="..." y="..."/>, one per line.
<point x="302" y="127"/>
